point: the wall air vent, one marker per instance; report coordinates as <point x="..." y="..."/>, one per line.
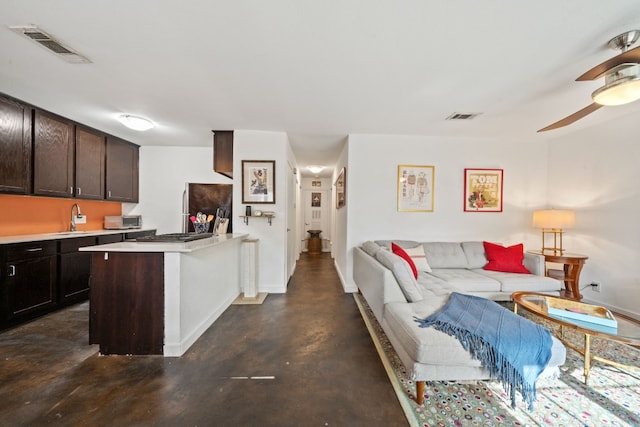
<point x="463" y="116"/>
<point x="45" y="40"/>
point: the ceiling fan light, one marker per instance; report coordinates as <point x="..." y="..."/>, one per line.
<point x="620" y="92"/>
<point x="136" y="122"/>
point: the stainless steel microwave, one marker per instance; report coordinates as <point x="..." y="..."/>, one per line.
<point x="122" y="222"/>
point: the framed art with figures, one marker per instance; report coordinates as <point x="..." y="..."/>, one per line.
<point x="258" y="181"/>
<point x="483" y="190"/>
<point x="415" y="188"/>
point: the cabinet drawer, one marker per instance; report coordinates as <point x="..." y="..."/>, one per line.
<point x="109" y="238"/>
<point x="72" y="245"/>
<point x="30" y="250"/>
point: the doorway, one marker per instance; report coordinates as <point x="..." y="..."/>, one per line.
<point x="316" y="214"/>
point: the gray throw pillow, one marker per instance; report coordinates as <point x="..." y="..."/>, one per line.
<point x="403" y="274"/>
<point x="371" y="248"/>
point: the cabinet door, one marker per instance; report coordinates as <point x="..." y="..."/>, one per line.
<point x="223" y="152"/>
<point x="74" y="269"/>
<point x="15" y="147"/>
<point x="89" y="165"/>
<point x="29" y="279"/>
<point x="53" y="157"/>
<point x="122" y="170"/>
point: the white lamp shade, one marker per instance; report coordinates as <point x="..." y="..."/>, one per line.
<point x="554" y="218"/>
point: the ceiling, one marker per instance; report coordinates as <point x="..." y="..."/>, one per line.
<point x="317" y="70"/>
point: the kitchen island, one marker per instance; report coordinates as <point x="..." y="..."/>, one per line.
<point x="160" y="297"/>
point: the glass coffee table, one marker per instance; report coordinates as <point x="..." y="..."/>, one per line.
<point x="627" y="331"/>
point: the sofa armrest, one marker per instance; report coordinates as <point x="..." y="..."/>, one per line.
<point x="534" y="263"/>
<point x="376" y="282"/>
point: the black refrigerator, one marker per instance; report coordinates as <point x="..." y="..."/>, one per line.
<point x="208" y="199"/>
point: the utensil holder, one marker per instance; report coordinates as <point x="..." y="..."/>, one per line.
<point x="201" y="227"/>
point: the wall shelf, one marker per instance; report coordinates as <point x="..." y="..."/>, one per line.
<point x="246" y="218"/>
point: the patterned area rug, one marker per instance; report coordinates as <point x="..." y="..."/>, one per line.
<point x="612" y="397"/>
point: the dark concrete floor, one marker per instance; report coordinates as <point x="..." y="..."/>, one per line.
<point x="311" y="340"/>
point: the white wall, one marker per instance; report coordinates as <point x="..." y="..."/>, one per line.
<point x="340" y="249"/>
<point x="371" y="208"/>
<point x="164" y="171"/>
<point x="259" y="145"/>
<point x="596" y="172"/>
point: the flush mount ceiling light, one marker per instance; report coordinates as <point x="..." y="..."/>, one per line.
<point x="315" y="169"/>
<point x="136" y="122"/>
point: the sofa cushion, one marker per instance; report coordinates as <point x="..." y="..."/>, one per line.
<point x="425" y="345"/>
<point x="429" y="346"/>
<point x="403" y="274"/>
<point x="405" y="256"/>
<point x="474" y="251"/>
<point x="371" y="248"/>
<point x="505" y="259"/>
<point x="435" y="285"/>
<point x="510" y="282"/>
<point x="445" y="255"/>
<point x="419" y="258"/>
<point x="466" y="280"/>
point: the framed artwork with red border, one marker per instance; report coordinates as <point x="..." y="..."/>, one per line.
<point x="483" y="190"/>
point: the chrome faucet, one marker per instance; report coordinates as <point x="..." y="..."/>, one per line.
<point x="73" y="218"/>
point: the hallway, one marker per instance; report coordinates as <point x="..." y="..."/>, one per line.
<point x="303" y="358"/>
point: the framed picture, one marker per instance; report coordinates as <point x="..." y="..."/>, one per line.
<point x="316" y="200"/>
<point x="483" y="190"/>
<point x="340" y="189"/>
<point x="258" y="181"/>
<point x="415" y="188"/>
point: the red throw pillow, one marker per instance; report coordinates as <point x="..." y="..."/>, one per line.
<point x="508" y="260"/>
<point x="402" y="254"/>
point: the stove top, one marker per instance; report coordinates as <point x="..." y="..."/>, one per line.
<point x="174" y="237"/>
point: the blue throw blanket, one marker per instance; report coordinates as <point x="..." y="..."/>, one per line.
<point x="512" y="348"/>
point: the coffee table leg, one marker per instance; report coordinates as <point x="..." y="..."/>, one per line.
<point x="587" y="357"/>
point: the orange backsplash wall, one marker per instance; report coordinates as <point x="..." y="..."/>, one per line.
<point x="33" y="215"/>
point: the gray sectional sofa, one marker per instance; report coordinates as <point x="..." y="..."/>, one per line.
<point x="395" y="297"/>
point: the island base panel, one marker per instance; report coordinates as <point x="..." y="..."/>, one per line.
<point x="127" y="302"/>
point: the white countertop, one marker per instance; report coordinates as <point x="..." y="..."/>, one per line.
<point x="165" y="246"/>
<point x="64" y="235"/>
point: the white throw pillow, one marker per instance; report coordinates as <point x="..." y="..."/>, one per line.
<point x="419" y="258"/>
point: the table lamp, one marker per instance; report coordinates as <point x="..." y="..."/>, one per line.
<point x="554" y="221"/>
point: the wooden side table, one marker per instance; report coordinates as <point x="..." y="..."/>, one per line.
<point x="314" y="246"/>
<point x="570" y="274"/>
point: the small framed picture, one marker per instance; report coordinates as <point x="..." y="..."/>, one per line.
<point x="258" y="181"/>
<point x="415" y="188"/>
<point x="340" y="189"/>
<point x="483" y="190"/>
<point x="316" y="200"/>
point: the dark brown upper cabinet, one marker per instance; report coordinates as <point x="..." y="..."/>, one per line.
<point x="15" y="147"/>
<point x="122" y="170"/>
<point x="223" y="152"/>
<point x="90" y="163"/>
<point x="53" y="155"/>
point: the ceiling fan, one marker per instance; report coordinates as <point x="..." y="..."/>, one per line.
<point x="622" y="79"/>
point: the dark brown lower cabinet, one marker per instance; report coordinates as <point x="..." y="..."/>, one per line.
<point x="29" y="285"/>
<point x="127" y="302"/>
<point x="74" y="268"/>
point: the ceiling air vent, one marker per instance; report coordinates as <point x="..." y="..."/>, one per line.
<point x="45" y="40"/>
<point x="462" y="116"/>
